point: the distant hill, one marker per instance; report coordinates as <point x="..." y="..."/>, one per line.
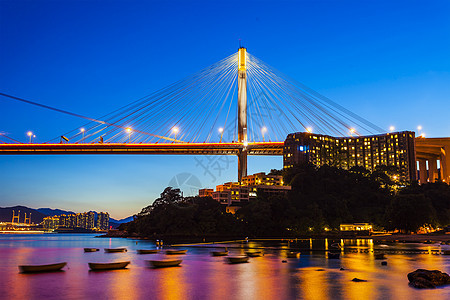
<point x="116" y="223"/>
<point x="7" y="212"/>
<point x="54" y="212"/>
<point x="124" y="220"/>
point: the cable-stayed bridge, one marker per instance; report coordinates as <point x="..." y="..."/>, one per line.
<point x="237" y="106"/>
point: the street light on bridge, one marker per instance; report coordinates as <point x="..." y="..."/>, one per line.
<point x="221" y="134"/>
<point x="308" y="129"/>
<point x="82" y="131"/>
<point x="175" y="131"/>
<point x="391" y="129"/>
<point x="30" y="134"/>
<point x="129" y="130"/>
<point x="263" y="130"/>
<point x="352" y="131"/>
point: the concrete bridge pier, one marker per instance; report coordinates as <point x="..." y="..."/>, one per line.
<point x="432" y="170"/>
<point x="445" y="164"/>
<point x="423" y="177"/>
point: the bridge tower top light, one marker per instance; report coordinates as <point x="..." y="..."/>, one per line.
<point x="242" y="61"/>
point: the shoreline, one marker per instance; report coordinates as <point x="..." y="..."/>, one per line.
<point x="388" y="238"/>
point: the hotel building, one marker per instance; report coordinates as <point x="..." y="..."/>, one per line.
<point x="235" y="194"/>
<point x="391" y="149"/>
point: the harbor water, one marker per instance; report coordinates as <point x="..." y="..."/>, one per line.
<point x="202" y="276"/>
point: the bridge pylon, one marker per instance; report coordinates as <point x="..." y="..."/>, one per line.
<point x="242" y="112"/>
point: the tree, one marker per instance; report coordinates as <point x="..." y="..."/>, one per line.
<point x="408" y="212"/>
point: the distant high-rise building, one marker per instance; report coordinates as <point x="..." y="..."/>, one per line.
<point x="103" y="220"/>
<point x="89" y="220"/>
<point x="51" y="222"/>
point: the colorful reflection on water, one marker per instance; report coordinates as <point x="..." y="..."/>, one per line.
<point x="202" y="276"/>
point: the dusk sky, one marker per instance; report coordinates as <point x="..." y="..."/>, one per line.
<point x="387" y="61"/>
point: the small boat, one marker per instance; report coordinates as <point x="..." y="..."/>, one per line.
<point x="219" y="253"/>
<point x="165" y="263"/>
<point x="42" y="268"/>
<point x="114" y="250"/>
<point x="237" y="259"/>
<point x="253" y="253"/>
<point x="108" y="266"/>
<point x="379" y="256"/>
<point x="91" y="249"/>
<point x="147" y="251"/>
<point x="333" y="255"/>
<point x="293" y="255"/>
<point x="174" y="252"/>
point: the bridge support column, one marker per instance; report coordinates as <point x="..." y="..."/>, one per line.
<point x="242" y="164"/>
<point x="242" y="112"/>
<point x="423" y="171"/>
<point x="432" y="169"/>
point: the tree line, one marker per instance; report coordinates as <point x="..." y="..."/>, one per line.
<point x="320" y="199"/>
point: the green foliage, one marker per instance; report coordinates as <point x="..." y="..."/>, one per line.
<point x="409" y="212"/>
<point x="320" y="197"/>
<point x="173" y="215"/>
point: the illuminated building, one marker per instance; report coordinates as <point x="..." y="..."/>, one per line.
<point x="84" y="220"/>
<point x="205" y="192"/>
<point x="391" y="149"/>
<point x="357" y="228"/>
<point x="51" y="222"/>
<point x="235" y="194"/>
<point x="102" y="220"/>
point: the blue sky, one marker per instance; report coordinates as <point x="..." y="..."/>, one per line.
<point x="387" y="61"/>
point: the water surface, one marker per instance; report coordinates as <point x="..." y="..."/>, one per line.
<point x="202" y="276"/>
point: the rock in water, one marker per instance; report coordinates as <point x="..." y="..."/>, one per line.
<point x="358" y="280"/>
<point x="426" y="279"/>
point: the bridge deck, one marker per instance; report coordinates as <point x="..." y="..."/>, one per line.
<point x="264" y="148"/>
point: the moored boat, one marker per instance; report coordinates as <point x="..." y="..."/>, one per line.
<point x="219" y="253"/>
<point x="293" y="255"/>
<point x="108" y="266"/>
<point x="379" y="256"/>
<point x="174" y="252"/>
<point x="253" y="253"/>
<point x="42" y="268"/>
<point x="334" y="255"/>
<point x="165" y="263"/>
<point x="114" y="250"/>
<point x="91" y="249"/>
<point x="237" y="259"/>
<point x="147" y="251"/>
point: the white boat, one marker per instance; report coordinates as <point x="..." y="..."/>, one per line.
<point x="91" y="249"/>
<point x="237" y="259"/>
<point x="114" y="250"/>
<point x="147" y="251"/>
<point x="42" y="268"/>
<point x="174" y="252"/>
<point x="254" y="253"/>
<point x="219" y="253"/>
<point x="293" y="255"/>
<point x="108" y="266"/>
<point x="165" y="263"/>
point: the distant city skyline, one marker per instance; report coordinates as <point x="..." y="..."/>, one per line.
<point x="388" y="62"/>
